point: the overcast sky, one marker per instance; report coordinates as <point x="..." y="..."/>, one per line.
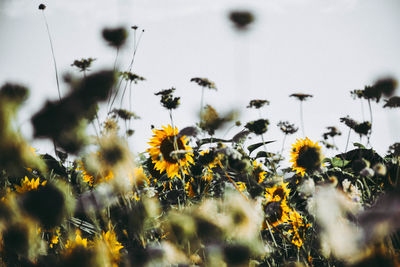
<point x="321" y="47"/>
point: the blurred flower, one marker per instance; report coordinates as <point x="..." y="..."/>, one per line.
<point x="393" y="102"/>
<point x="204" y="82"/>
<point x="83" y="64"/>
<point x="162" y="145"/>
<point x="277" y="192"/>
<point x="241" y="19"/>
<point x="306" y="156"/>
<point x="131" y="77"/>
<point x="301" y="96"/>
<point x="332" y="132"/>
<point x="209" y="160"/>
<point x="167" y="99"/>
<point x="112" y="244"/>
<point x="258" y="127"/>
<point x="360" y="128"/>
<point x="77" y="241"/>
<point x="124" y="114"/>
<point x="28" y="185"/>
<point x="394" y="149"/>
<point x="380" y="169"/>
<point x="287" y="128"/>
<point x="115" y="37"/>
<point x="257" y="103"/>
<point x="339" y="236"/>
<point x="93" y="180"/>
<point x="259" y="172"/>
<point x="357" y="93"/>
<point x="386" y="86"/>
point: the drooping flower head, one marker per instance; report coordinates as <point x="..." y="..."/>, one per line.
<point x="162" y="150"/>
<point x="306" y="156"/>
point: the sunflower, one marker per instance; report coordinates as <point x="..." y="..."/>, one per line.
<point x="28" y="185"/>
<point x="259" y="172"/>
<point x="306" y="156"/>
<point x="162" y="144"/>
<point x="277" y="192"/>
<point x="210" y="160"/>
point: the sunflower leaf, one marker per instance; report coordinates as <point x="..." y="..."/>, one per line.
<point x="338" y="162"/>
<point x="359" y="145"/>
<point x="253" y="147"/>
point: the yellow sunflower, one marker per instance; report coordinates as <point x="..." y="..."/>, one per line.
<point x="306" y="156"/>
<point x="28" y="185"/>
<point x="162" y="144"/>
<point x="211" y="162"/>
<point x="277" y="192"/>
<point x="259" y="171"/>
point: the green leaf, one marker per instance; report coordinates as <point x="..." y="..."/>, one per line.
<point x="253" y="147"/>
<point x="359" y="145"/>
<point x="338" y="162"/>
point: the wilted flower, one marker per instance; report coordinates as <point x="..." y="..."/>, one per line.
<point x="287" y="128"/>
<point x="393" y="102"/>
<point x="241" y="19"/>
<point x="332" y="132"/>
<point x="257" y="103"/>
<point x="132" y="77"/>
<point x="360" y="128"/>
<point x="204" y="82"/>
<point x="357" y="93"/>
<point x="386" y="86"/>
<point x="83" y="64"/>
<point x="258" y="127"/>
<point x="167" y="99"/>
<point x="394" y="149"/>
<point x="115" y="37"/>
<point x="125" y="114"/>
<point x="301" y="96"/>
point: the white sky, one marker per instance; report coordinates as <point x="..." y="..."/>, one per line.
<point x="322" y="47"/>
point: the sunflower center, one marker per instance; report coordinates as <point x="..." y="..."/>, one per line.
<point x="167" y="146"/>
<point x="309" y="158"/>
<point x="273" y="211"/>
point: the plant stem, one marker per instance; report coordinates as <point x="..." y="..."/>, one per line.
<point x="348" y="138"/>
<point x="201" y="103"/>
<point x="301" y="118"/>
<point x="370" y="113"/>
<point x="116" y="59"/>
<point x="52" y="52"/>
<point x="283" y="144"/>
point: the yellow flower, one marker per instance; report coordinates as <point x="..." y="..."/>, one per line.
<point x="208" y="172"/>
<point x="113" y="246"/>
<point x="306" y="156"/>
<point x="93" y="180"/>
<point x="54" y="238"/>
<point x="189" y="189"/>
<point x="162" y="144"/>
<point x="139" y="176"/>
<point x="79" y="241"/>
<point x="28" y="185"/>
<point x="241" y="186"/>
<point x="261" y="174"/>
<point x="277" y="192"/>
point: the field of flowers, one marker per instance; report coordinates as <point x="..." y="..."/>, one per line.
<point x="193" y="198"/>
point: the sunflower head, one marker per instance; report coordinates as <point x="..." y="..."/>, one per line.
<point x="306" y="156"/>
<point x="169" y="152"/>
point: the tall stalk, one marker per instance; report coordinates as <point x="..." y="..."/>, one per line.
<point x="52" y="53"/>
